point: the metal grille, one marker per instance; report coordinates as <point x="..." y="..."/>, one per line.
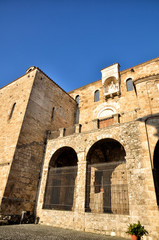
<point x="60" y="189"/>
<point x="107" y="189"/>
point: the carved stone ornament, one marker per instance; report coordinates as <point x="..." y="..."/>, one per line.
<point x="111" y="80"/>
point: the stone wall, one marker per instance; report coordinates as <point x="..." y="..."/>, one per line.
<point x="37" y="119"/>
<point x="142" y="199"/>
<point x="143" y="100"/>
<point x="14" y="94"/>
<point x="21" y="190"/>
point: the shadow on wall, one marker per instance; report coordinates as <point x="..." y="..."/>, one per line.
<point x="152" y="131"/>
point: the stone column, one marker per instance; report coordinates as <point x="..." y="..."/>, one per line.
<point x="116" y="118"/>
<point x="79" y="211"/>
<point x="62" y="132"/>
<point x="95" y="124"/>
<point x="78" y="128"/>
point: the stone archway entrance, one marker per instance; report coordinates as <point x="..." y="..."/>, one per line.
<point x="106" y="185"/>
<point x="61" y="180"/>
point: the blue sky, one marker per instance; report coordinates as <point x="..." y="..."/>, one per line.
<point x="72" y="40"/>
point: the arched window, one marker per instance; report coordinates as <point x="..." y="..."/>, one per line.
<point x="77" y="110"/>
<point x="106" y="184"/>
<point x="77" y="99"/>
<point x="52" y="114"/>
<point x="61" y="180"/>
<point x="12" y="110"/>
<point x="129" y="85"/>
<point x="77" y="115"/>
<point x="96" y="96"/>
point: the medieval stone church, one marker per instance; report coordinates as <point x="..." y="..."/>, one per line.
<point x="88" y="159"/>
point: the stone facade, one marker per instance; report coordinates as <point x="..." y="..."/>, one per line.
<point x="25" y="135"/>
<point x="87" y="159"/>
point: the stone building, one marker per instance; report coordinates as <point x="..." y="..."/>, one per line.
<point x="87" y="159"/>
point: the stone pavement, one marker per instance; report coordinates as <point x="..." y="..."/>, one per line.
<point x="41" y="232"/>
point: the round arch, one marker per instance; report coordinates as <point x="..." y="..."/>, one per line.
<point x="61" y="180"/>
<point x="66" y="154"/>
<point x="106" y="111"/>
<point x="106" y="136"/>
<point x="109" y="147"/>
<point x="108" y="80"/>
<point x="106" y="184"/>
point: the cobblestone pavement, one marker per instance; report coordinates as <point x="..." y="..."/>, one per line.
<point x="41" y="232"/>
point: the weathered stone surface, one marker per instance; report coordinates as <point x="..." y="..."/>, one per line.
<point x="40" y="232"/>
<point x="41" y="126"/>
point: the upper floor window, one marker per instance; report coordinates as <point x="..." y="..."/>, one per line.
<point x="77" y="99"/>
<point x="12" y="110"/>
<point x="96" y="96"/>
<point x="129" y="84"/>
<point x="52" y="114"/>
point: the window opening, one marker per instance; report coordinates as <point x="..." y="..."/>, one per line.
<point x="77" y="99"/>
<point x="77" y="110"/>
<point x="129" y="85"/>
<point x="52" y="115"/>
<point x="77" y="115"/>
<point x="96" y="96"/>
<point x="12" y="110"/>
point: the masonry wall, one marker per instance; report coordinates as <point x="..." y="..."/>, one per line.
<point x="129" y="105"/>
<point x="142" y="199"/>
<point x="16" y="92"/>
<point x="20" y="193"/>
<point x="137" y="128"/>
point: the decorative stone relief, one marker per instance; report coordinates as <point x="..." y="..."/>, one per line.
<point x="111" y="80"/>
<point x="105" y="112"/>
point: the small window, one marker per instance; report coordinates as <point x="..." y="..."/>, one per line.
<point x="96" y="96"/>
<point x="52" y="114"/>
<point x="77" y="115"/>
<point x="77" y="99"/>
<point x="129" y="85"/>
<point x="12" y="110"/>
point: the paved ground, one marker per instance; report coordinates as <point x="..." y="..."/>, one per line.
<point x="40" y="232"/>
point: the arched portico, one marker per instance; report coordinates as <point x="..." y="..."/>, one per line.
<point x="61" y="180"/>
<point x="106" y="184"/>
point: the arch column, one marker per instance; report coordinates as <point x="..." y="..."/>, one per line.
<point x="81" y="183"/>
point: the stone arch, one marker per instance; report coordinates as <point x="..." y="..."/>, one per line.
<point x="106" y="111"/>
<point x="60" y="188"/>
<point x="129" y="84"/>
<point x="110" y="85"/>
<point x="96" y="95"/>
<point x="106" y="184"/>
<point x="108" y="136"/>
<point x="156" y="170"/>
